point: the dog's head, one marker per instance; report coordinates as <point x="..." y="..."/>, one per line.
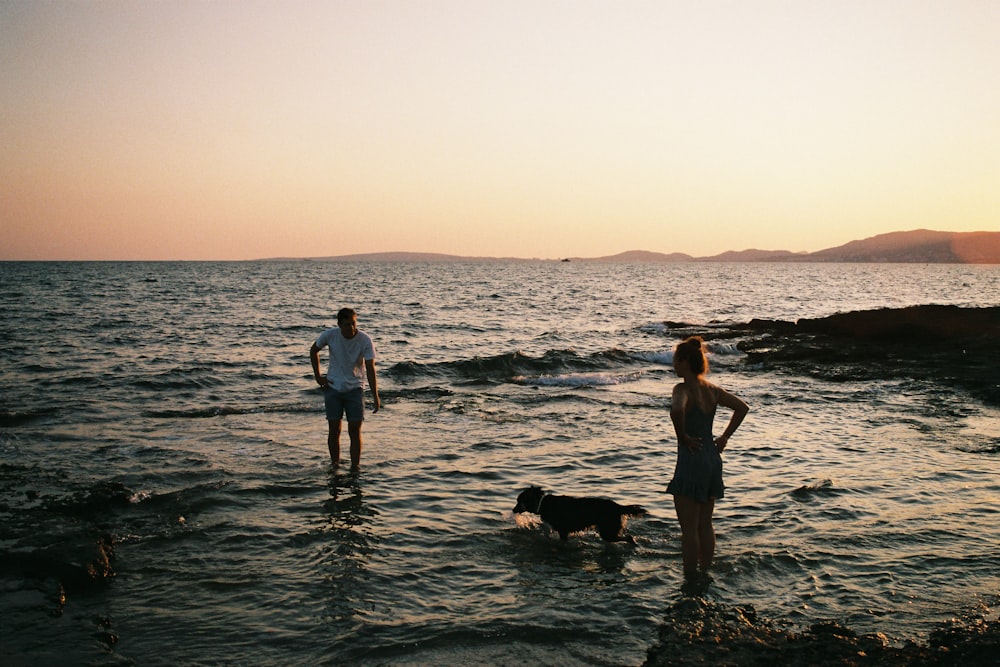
<point x="529" y="500"/>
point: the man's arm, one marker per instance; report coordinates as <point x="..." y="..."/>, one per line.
<point x="314" y="359"/>
<point x="373" y="385"/>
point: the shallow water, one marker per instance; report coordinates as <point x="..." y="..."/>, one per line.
<point x="168" y="412"/>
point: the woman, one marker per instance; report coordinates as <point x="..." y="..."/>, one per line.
<point x="697" y="481"/>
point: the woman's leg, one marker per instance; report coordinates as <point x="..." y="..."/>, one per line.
<point x="706" y="534"/>
<point x="689" y="516"/>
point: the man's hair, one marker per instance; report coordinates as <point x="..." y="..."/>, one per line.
<point x="345" y="314"/>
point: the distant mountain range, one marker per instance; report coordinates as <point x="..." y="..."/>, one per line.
<point x="920" y="246"/>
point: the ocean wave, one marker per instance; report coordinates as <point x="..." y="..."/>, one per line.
<point x="665" y="358"/>
<point x="721" y="339"/>
<point x="981" y="445"/>
<point x="579" y="379"/>
<point x="511" y="365"/>
<point x="12" y="418"/>
<point x="388" y="396"/>
<point x="94" y="500"/>
<point x="823" y="488"/>
<point x="681" y="330"/>
<point x="724" y="348"/>
<point x="174" y="380"/>
<point x="209" y="412"/>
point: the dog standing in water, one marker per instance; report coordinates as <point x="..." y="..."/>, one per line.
<point x="568" y="514"/>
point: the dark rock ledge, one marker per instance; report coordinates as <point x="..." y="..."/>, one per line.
<point x="952" y="345"/>
<point x="926" y="324"/>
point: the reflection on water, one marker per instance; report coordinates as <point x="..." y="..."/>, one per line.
<point x="348" y="542"/>
<point x="346" y="507"/>
<point x="127" y="404"/>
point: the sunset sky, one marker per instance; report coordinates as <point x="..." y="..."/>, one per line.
<point x="240" y="130"/>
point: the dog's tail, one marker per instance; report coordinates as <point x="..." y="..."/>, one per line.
<point x="634" y="510"/>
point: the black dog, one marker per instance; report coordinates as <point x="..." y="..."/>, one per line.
<point x="567" y="514"/>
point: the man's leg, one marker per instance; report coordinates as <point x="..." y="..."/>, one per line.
<point x="354" y="406"/>
<point x="354" y="430"/>
<point x="333" y="441"/>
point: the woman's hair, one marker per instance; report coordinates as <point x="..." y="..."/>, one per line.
<point x="692" y="350"/>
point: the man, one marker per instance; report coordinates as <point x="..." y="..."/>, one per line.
<point x="350" y="349"/>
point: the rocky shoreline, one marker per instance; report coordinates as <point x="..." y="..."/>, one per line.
<point x="948" y="344"/>
<point x="699" y="632"/>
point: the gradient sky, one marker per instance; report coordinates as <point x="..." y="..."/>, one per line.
<point x="240" y="130"/>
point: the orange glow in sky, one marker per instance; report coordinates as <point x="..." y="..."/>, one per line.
<point x="243" y="129"/>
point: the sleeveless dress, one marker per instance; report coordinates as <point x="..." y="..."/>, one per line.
<point x="698" y="474"/>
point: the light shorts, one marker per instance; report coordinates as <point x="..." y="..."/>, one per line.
<point x="340" y="402"/>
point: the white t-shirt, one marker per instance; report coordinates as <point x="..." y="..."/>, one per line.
<point x="347" y="357"/>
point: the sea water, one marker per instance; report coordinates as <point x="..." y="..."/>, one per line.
<point x="167" y="496"/>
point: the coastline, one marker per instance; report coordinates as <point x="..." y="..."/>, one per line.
<point x="919" y="246"/>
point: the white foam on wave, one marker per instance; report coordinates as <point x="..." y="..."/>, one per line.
<point x="523" y="520"/>
<point x="140" y="496"/>
<point x="654" y="327"/>
<point x="666" y="358"/>
<point x="579" y="379"/>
